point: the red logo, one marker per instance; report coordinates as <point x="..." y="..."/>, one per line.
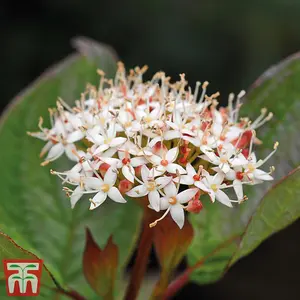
<point x="23" y="277"/>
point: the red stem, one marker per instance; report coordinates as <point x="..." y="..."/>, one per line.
<point x="180" y="281"/>
<point x="141" y="261"/>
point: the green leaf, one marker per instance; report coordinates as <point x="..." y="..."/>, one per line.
<point x="100" y="266"/>
<point x="34" y="210"/>
<point x="278" y="90"/>
<point x="278" y="208"/>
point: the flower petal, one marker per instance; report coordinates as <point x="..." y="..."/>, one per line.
<point x="172" y="134"/>
<point x="218" y="178"/>
<point x="113" y="162"/>
<point x="110" y="176"/>
<point x="172" y="154"/>
<point x="192" y="140"/>
<point x="190" y="170"/>
<point x="111" y="131"/>
<point x="128" y="172"/>
<point x="115" y="195"/>
<point x="170" y="190"/>
<point x="262" y="175"/>
<point x="154" y="198"/>
<point x="223" y="198"/>
<point x="172" y="168"/>
<point x="225" y="167"/>
<point x="185" y="179"/>
<point x="155" y="159"/>
<point x="202" y="186"/>
<point x="138" y="161"/>
<point x="164" y="203"/>
<point x="117" y="141"/>
<point x="163" y="181"/>
<point x="186" y="195"/>
<point x="93" y="183"/>
<point x="101" y="148"/>
<point x="177" y="214"/>
<point x="138" y="191"/>
<point x="98" y="199"/>
<point x="69" y="150"/>
<point x="75" y="136"/>
<point x="145" y="173"/>
<point x="76" y="195"/>
<point x="238" y="188"/>
<point x="55" y="152"/>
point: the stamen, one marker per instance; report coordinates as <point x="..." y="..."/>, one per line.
<point x="161" y="218"/>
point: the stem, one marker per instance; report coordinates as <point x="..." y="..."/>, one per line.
<point x="180" y="281"/>
<point x="141" y="261"/>
<point x="160" y="287"/>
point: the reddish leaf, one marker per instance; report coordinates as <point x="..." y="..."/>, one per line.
<point x="100" y="266"/>
<point x="171" y="244"/>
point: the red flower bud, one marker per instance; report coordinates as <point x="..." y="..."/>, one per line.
<point x="245" y="152"/>
<point x="194" y="206"/>
<point x="244" y="140"/>
<point x="125" y="186"/>
<point x="159" y="148"/>
<point x="103" y="168"/>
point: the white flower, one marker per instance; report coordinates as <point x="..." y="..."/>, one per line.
<point x="237" y="177"/>
<point x="178" y="128"/>
<point x="191" y="178"/>
<point x="105" y="139"/>
<point x="104" y="188"/>
<point x="128" y="123"/>
<point x="213" y="185"/>
<point x="252" y="172"/>
<point x="172" y="202"/>
<point x="165" y="163"/>
<point x="149" y="186"/>
<point x="226" y="158"/>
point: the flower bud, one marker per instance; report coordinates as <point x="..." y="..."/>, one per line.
<point x="103" y="168"/>
<point x="125" y="186"/>
<point x="194" y="206"/>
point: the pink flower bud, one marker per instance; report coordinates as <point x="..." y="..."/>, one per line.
<point x="125" y="186"/>
<point x="194" y="206"/>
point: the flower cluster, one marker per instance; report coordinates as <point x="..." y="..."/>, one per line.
<point x="155" y="140"/>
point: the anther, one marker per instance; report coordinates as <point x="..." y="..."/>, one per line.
<point x="205" y="84"/>
<point x="242" y="94"/>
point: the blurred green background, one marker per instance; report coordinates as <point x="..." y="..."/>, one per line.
<point x="228" y="43"/>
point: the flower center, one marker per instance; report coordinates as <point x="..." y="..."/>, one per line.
<point x="164" y="162"/>
<point x="251" y="167"/>
<point x="223" y="160"/>
<point x="151" y="186"/>
<point x="239" y="175"/>
<point x="105" y="188"/>
<point x="107" y="141"/>
<point x="148" y="119"/>
<point x="127" y="124"/>
<point x="125" y="161"/>
<point x="173" y="200"/>
<point x="102" y="120"/>
<point x="196" y="177"/>
<point x="214" y="187"/>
